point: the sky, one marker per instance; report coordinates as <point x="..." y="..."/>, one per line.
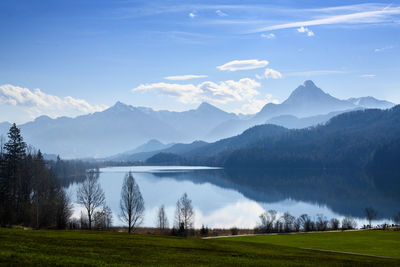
<point x="66" y="58"/>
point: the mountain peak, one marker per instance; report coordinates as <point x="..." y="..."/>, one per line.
<point x="119" y="104"/>
<point x="307" y="90"/>
<point x="309" y="83"/>
<point x="207" y="107"/>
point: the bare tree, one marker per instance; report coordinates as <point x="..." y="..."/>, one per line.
<point x="90" y="195"/>
<point x="334" y="224"/>
<point x="267" y="221"/>
<point x="371" y="214"/>
<point x="162" y="220"/>
<point x="348" y="223"/>
<point x="288" y="221"/>
<point x="103" y="218"/>
<point x="131" y="203"/>
<point x="321" y="223"/>
<point x="184" y="215"/>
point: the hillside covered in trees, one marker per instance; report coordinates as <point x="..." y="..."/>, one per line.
<point x="358" y="139"/>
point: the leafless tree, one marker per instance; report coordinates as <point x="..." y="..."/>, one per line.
<point x="306" y="222"/>
<point x="348" y="223"/>
<point x="321" y="223"/>
<point x="131" y="203"/>
<point x="371" y="214"/>
<point x="267" y="221"/>
<point x="162" y="220"/>
<point x="288" y="221"/>
<point x="334" y="224"/>
<point x="103" y="218"/>
<point x="184" y="215"/>
<point x="90" y="195"/>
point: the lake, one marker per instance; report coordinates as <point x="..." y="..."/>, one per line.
<point x="235" y="198"/>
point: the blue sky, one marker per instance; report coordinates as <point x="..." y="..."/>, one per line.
<point x="84" y="56"/>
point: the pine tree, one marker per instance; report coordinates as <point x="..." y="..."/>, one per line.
<point x="14" y="155"/>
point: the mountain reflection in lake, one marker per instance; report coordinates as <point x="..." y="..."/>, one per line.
<point x="228" y="198"/>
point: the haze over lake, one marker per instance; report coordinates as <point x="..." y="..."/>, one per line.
<point x="235" y="198"/>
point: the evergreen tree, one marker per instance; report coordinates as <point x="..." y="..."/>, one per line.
<point x="11" y="177"/>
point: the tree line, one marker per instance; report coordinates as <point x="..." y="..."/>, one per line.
<point x="30" y="193"/>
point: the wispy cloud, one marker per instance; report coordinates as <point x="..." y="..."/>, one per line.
<point x="184" y="77"/>
<point x="272" y="74"/>
<point x="368" y="76"/>
<point x="268" y="35"/>
<point x="222" y="92"/>
<point x="248" y="64"/>
<point x="33" y="103"/>
<point x="306" y="31"/>
<point x="373" y="16"/>
<point x="377" y="50"/>
<point x="220" y="13"/>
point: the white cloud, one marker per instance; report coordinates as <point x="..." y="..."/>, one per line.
<point x="184" y="77"/>
<point x="306" y="31"/>
<point x="255" y="105"/>
<point x="192" y="15"/>
<point x="272" y="74"/>
<point x="368" y="76"/>
<point x="27" y="105"/>
<point x="377" y="50"/>
<point x="373" y="16"/>
<point x="268" y="36"/>
<point x="243" y="65"/>
<point x="220" y="13"/>
<point x="222" y="92"/>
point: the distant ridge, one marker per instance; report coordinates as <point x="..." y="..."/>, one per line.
<point x="124" y="127"/>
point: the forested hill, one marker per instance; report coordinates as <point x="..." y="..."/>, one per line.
<point x="350" y="140"/>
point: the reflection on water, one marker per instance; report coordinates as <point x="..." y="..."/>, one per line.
<point x="227" y="198"/>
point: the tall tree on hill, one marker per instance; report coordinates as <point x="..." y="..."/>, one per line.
<point x="131" y="203"/>
<point x="91" y="195"/>
<point x="11" y="177"/>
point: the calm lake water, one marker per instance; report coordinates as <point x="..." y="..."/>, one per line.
<point x="227" y="198"/>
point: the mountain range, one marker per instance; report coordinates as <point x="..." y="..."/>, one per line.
<point x="360" y="139"/>
<point x="123" y="127"/>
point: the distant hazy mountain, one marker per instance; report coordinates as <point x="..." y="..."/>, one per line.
<point x="193" y="124"/>
<point x="354" y="139"/>
<point x="4" y="127"/>
<point x="118" y="128"/>
<point x="98" y="134"/>
<point x="371" y="102"/>
<point x="123" y="127"/>
<point x="141" y="151"/>
<point x="306" y="106"/>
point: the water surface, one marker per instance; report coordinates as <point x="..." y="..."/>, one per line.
<point x="235" y="198"/>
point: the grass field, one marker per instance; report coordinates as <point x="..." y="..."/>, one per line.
<point x="375" y="242"/>
<point x="29" y="247"/>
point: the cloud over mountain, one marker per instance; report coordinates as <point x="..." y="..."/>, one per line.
<point x="221" y="92"/>
<point x="27" y="104"/>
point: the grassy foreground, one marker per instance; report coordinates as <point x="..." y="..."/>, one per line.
<point x="373" y="242"/>
<point x="29" y="247"/>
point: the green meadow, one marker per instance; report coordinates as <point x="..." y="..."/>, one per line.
<point x="92" y="248"/>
